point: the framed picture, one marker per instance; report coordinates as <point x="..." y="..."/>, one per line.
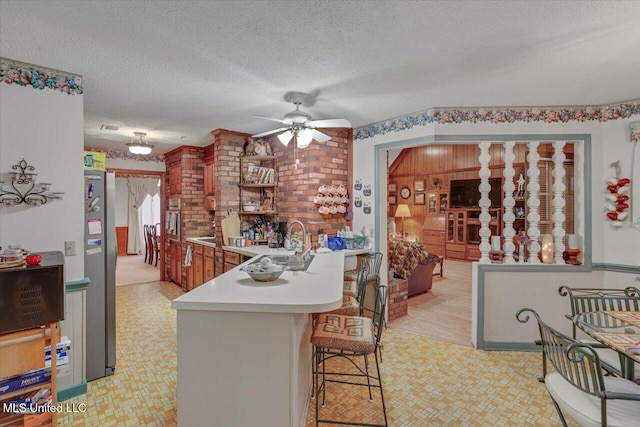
<point x="392" y="200"/>
<point x="418" y="185"/>
<point x="418" y="199"/>
<point x="391" y="187"/>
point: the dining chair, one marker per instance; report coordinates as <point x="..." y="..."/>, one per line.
<point x="349" y="338"/>
<point x="155" y="237"/>
<point x="577" y="386"/>
<point x="584" y="300"/>
<point x="146" y="242"/>
<point x="149" y="237"/>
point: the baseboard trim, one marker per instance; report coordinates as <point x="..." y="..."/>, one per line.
<point x="511" y="346"/>
<point x="77" y="285"/>
<point x="73" y="391"/>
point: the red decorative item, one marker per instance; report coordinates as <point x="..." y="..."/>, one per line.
<point x="623" y="181"/>
<point x="612" y="216"/>
<point x="612" y="189"/>
<point x="622" y="198"/>
<point x="622" y="207"/>
<point x="33" y="259"/>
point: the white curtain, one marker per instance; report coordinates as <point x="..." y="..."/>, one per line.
<point x="139" y="188"/>
<point x="149" y="213"/>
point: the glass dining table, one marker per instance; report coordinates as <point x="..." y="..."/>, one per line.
<point x="619" y="330"/>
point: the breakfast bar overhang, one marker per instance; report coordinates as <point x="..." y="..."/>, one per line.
<point x="244" y="356"/>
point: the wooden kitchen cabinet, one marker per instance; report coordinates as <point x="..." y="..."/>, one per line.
<point x="175" y="178"/>
<point x="202" y="265"/>
<point x="175" y="266"/>
<point x="209" y="178"/>
<point x="198" y="265"/>
<point x="209" y="263"/>
<point x="230" y="260"/>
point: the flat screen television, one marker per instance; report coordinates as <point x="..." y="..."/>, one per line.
<point x="465" y="193"/>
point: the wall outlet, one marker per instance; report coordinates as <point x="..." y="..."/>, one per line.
<point x="70" y="248"/>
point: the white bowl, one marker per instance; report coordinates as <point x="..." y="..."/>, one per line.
<point x="264" y="276"/>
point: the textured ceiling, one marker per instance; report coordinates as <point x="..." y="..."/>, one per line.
<point x="179" y="69"/>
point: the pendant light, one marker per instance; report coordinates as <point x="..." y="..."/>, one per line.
<point x="139" y="146"/>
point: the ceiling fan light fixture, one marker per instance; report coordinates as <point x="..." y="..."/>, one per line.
<point x="304" y="138"/>
<point x="138" y="145"/>
<point x="285" y="137"/>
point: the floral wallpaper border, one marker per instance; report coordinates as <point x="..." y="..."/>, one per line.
<point x="126" y="155"/>
<point x="501" y="115"/>
<point x="23" y="74"/>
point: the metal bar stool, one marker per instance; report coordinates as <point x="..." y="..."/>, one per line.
<point x="352" y="305"/>
<point x="349" y="338"/>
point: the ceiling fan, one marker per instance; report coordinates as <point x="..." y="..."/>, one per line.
<point x="299" y="124"/>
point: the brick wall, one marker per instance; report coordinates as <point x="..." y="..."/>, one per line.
<point x="226" y="150"/>
<point x="398" y="298"/>
<point x="196" y="220"/>
<point x="326" y="163"/>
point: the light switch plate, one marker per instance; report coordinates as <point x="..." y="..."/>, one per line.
<point x="70" y="248"/>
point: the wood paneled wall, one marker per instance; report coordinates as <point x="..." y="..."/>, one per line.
<point x="447" y="162"/>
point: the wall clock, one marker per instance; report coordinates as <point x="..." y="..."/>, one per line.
<point x="405" y="192"/>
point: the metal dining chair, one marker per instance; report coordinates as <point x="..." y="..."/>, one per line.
<point x="577" y="386"/>
<point x="584" y="300"/>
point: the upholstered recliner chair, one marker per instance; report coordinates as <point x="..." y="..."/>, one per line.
<point x="410" y="261"/>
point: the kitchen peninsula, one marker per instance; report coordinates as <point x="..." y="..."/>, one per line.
<point x="244" y="356"/>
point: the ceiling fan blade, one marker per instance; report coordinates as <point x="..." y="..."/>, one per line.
<point x="258" y="135"/>
<point x="319" y="136"/>
<point x="269" y="118"/>
<point x="329" y="123"/>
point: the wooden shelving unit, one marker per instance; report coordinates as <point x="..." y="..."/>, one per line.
<point x="252" y="191"/>
<point x="463" y="228"/>
<point x="22" y="352"/>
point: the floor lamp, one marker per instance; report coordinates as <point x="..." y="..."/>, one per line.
<point x="403" y="212"/>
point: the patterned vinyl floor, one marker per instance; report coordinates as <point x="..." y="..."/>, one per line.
<point x="426" y="382"/>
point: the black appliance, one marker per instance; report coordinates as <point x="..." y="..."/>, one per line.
<point x="33" y="295"/>
<point x="465" y="194"/>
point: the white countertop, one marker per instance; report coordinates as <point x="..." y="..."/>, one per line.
<point x="316" y="290"/>
<point x="202" y="241"/>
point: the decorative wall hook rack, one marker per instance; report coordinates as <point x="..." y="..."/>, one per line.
<point x="23" y="188"/>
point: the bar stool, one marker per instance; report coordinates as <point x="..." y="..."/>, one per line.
<point x="352" y="305"/>
<point x="349" y="337"/>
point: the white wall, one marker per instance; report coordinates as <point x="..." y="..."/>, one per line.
<point x="122" y="202"/>
<point x="610" y="142"/>
<point x="46" y="129"/>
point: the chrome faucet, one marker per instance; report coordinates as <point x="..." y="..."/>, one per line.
<point x="304" y="232"/>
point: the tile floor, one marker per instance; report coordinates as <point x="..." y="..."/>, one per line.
<point x="427" y="383"/>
